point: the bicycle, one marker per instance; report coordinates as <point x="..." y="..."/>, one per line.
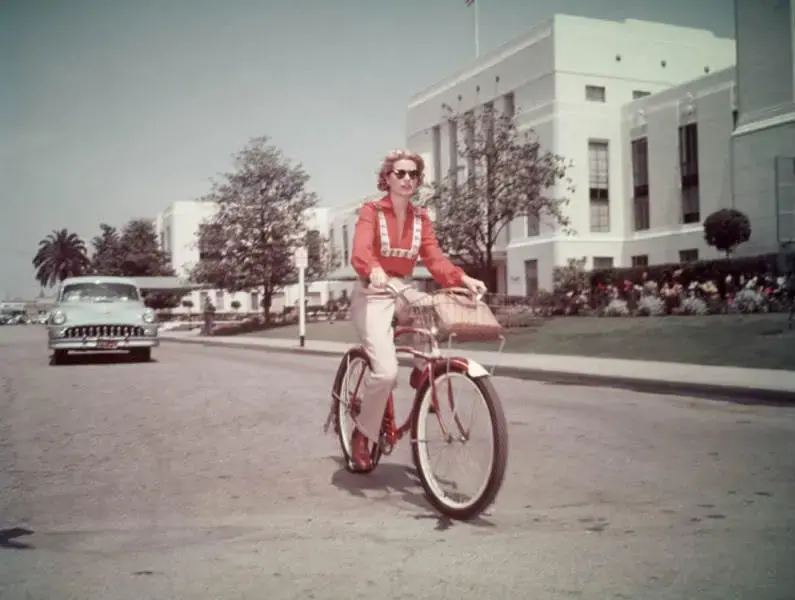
<point x="437" y="370"/>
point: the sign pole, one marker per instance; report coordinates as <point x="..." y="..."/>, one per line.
<point x="301" y="262"/>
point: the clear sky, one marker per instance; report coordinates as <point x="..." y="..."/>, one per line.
<point x="112" y="109"/>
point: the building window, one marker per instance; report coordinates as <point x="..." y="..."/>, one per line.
<point x="533" y="225"/>
<point x="688" y="256"/>
<point x="510" y="105"/>
<point x="436" y="141"/>
<point x="452" y="142"/>
<point x="598" y="184"/>
<point x="688" y="168"/>
<point x="255" y="302"/>
<point x="208" y="237"/>
<point x="641" y="260"/>
<point x="595" y="93"/>
<point x="167" y="240"/>
<point x="531" y="277"/>
<point x="469" y="142"/>
<point x="203" y="298"/>
<point x="640" y="183"/>
<point x="602" y="262"/>
<point x="331" y="244"/>
<point x="735" y="117"/>
<point x="639" y="94"/>
<point x="219" y="300"/>
<point x="345" y="249"/>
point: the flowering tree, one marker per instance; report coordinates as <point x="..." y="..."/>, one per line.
<point x="251" y="240"/>
<point x="508" y="176"/>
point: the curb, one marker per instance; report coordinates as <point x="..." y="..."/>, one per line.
<point x="734" y="394"/>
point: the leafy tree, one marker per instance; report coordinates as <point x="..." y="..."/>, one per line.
<point x="511" y="178"/>
<point x="727" y="228"/>
<point x="107" y="256"/>
<point x="260" y="221"/>
<point x="60" y="255"/>
<point x="142" y="255"/>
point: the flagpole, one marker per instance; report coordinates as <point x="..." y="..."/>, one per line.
<point x="477" y="28"/>
<point x="476" y="16"/>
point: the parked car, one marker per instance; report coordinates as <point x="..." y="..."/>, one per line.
<point x="101" y="313"/>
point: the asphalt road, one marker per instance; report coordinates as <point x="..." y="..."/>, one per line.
<point x="205" y="474"/>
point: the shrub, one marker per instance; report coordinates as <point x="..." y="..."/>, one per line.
<point x="748" y="301"/>
<point x="727" y="228"/>
<point x="617" y="308"/>
<point x="693" y="305"/>
<point x="715" y="270"/>
<point x="651" y="306"/>
<point x="244" y="326"/>
<point x="516" y="316"/>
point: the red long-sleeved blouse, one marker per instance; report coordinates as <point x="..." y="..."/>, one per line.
<point x="377" y="242"/>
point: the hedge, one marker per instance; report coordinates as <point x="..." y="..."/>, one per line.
<point x="703" y="270"/>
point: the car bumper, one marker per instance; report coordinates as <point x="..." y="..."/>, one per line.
<point x="56" y="341"/>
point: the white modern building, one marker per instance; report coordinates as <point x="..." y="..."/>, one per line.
<point x="647" y="113"/>
<point x="178" y="228"/>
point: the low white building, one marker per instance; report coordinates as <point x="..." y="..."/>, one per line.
<point x="178" y="228"/>
<point x="587" y="88"/>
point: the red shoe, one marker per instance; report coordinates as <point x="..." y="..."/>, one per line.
<point x="360" y="451"/>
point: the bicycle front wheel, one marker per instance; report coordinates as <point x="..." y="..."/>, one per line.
<point x="449" y="428"/>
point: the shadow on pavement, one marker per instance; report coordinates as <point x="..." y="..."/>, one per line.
<point x="8" y="537"/>
<point x="395" y="479"/>
<point x="103" y="358"/>
<point x="684" y="390"/>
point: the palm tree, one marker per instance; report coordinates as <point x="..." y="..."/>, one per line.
<point x="61" y="254"/>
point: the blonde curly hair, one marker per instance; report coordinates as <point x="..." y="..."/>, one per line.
<point x="388" y="164"/>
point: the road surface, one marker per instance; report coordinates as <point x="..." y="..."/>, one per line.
<point x="204" y="474"/>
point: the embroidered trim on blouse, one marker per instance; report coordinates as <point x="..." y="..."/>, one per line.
<point x="386" y="248"/>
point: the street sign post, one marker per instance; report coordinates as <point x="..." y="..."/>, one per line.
<point x="301" y="263"/>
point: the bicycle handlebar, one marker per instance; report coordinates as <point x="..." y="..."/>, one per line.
<point x="390" y="288"/>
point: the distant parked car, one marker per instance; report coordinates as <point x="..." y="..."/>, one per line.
<point x="101" y="313"/>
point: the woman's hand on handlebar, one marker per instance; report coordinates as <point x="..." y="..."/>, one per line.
<point x="378" y="278"/>
<point x="477" y="287"/>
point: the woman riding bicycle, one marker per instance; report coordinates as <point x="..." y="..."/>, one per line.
<point x="390" y="235"/>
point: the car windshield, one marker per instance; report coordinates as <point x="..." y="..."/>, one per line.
<point x="99" y="292"/>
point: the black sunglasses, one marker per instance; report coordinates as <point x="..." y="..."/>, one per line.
<point x="401" y="174"/>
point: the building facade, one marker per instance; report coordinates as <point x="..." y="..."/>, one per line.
<point x="178" y="228"/>
<point x="763" y="145"/>
<point x="580" y="84"/>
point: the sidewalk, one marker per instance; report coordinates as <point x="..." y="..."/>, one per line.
<point x="747" y="385"/>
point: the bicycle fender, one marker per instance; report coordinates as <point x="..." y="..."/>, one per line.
<point x="475" y="369"/>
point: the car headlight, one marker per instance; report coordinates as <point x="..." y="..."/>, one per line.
<point x="58" y="318"/>
<point x="149" y="316"/>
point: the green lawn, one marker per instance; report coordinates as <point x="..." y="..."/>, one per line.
<point x="754" y="341"/>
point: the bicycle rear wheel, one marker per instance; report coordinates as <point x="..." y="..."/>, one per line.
<point x="346" y="392"/>
<point x="425" y="424"/>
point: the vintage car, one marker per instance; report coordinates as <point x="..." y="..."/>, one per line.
<point x="98" y="313"/>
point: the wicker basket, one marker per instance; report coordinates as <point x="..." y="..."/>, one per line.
<point x="455" y="312"/>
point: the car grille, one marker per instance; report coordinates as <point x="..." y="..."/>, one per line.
<point x="93" y="331"/>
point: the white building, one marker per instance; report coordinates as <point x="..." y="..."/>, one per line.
<point x="763" y="145"/>
<point x="178" y="228"/>
<point x="587" y="87"/>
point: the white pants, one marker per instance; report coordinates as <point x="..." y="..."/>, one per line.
<point x="372" y="318"/>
